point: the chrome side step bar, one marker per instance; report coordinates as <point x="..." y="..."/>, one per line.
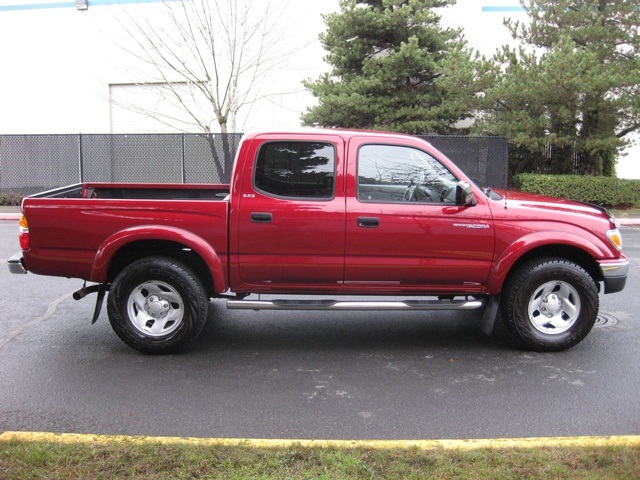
<point x="341" y="305"/>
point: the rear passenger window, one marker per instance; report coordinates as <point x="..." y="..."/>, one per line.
<point x="296" y="170"/>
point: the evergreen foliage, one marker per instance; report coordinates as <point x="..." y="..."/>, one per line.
<point x="569" y="97"/>
<point x="393" y="68"/>
<point x="606" y="191"/>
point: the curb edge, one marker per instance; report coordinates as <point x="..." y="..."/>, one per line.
<point x="583" y="441"/>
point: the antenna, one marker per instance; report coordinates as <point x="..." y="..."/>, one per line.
<point x="505" y="198"/>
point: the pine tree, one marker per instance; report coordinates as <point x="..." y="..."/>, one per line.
<point x="393" y="68"/>
<point x="572" y="90"/>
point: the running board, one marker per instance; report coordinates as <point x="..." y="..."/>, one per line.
<point x="354" y="305"/>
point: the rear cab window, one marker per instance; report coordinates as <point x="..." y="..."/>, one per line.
<point x="296" y="169"/>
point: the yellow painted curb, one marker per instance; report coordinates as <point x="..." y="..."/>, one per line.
<point x="498" y="443"/>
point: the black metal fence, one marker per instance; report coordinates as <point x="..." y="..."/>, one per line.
<point x="33" y="163"/>
<point x="483" y="159"/>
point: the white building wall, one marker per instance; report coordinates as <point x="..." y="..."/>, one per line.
<point x="60" y="66"/>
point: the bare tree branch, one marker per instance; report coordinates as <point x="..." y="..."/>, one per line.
<point x="211" y="57"/>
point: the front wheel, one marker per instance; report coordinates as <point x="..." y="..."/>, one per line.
<point x="157" y="305"/>
<point x="550" y="304"/>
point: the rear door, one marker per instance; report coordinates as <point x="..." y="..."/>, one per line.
<point x="291" y="217"/>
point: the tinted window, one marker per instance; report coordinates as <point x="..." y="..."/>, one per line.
<point x="296" y="169"/>
<point x="388" y="173"/>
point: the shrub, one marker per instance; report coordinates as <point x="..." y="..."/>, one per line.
<point x="605" y="191"/>
<point x="11" y="199"/>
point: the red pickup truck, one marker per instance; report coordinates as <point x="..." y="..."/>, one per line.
<point x="328" y="213"/>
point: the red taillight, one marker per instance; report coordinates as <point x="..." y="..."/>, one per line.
<point x="25" y="242"/>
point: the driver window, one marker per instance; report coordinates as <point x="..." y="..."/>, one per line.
<point x="389" y="173"/>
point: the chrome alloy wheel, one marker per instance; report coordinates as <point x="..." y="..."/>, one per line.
<point x="155" y="308"/>
<point x="554" y="307"/>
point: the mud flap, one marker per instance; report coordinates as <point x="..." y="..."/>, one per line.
<point x="490" y="314"/>
<point x="102" y="289"/>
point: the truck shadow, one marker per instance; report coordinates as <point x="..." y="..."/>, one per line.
<point x="226" y="329"/>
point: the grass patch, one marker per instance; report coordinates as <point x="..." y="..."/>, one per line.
<point x="124" y="459"/>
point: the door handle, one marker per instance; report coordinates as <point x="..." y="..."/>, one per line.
<point x="259" y="217"/>
<point x="368" y="222"/>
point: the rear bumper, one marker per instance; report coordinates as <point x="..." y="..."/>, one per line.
<point x="16" y="264"/>
<point x="614" y="275"/>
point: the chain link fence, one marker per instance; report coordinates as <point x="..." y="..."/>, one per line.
<point x="483" y="159"/>
<point x="34" y="163"/>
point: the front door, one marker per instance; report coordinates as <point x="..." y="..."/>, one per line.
<point x="404" y="230"/>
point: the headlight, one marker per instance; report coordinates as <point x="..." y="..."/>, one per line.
<point x="615" y="222"/>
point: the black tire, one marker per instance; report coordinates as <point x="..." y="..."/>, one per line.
<point x="157" y="305"/>
<point x="549" y="304"/>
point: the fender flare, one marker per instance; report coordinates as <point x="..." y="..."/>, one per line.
<point x="120" y="239"/>
<point x="523" y="245"/>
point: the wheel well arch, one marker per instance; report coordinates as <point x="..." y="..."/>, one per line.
<point x="166" y="248"/>
<point x="567" y="252"/>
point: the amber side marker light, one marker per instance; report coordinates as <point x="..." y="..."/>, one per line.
<point x="615" y="238"/>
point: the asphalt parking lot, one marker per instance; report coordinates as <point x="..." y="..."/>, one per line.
<point x="311" y="375"/>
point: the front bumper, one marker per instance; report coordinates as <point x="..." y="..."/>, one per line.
<point x="614" y="274"/>
<point x="16" y="264"/>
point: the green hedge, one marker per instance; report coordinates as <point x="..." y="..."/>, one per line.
<point x="605" y="191"/>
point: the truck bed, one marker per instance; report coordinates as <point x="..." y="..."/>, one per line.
<point x="152" y="191"/>
<point x="70" y="225"/>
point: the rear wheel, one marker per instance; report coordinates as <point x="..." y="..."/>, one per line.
<point x="550" y="304"/>
<point x="157" y="305"/>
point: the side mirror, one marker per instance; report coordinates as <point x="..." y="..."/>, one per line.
<point x="464" y="194"/>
